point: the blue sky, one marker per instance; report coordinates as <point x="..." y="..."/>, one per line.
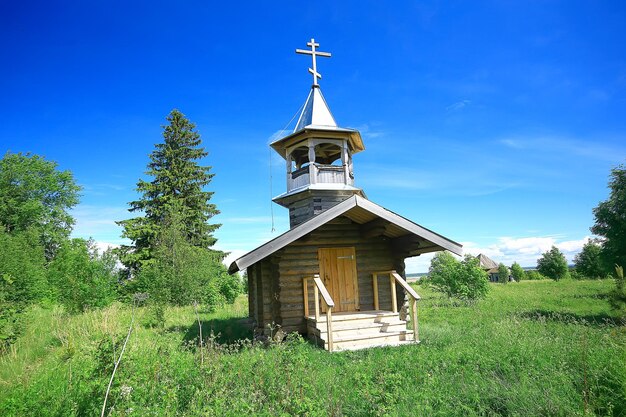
<point x="493" y="123"/>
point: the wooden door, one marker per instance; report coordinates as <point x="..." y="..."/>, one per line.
<point x="338" y="272"/>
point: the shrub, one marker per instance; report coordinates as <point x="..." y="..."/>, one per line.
<point x="617" y="297"/>
<point x="553" y="264"/>
<point x="503" y="274"/>
<point x="22" y="263"/>
<point x="610" y="221"/>
<point x="464" y="280"/>
<point x="533" y="274"/>
<point x="180" y="273"/>
<point x="22" y="280"/>
<point x="588" y="262"/>
<point x="517" y="272"/>
<point x="81" y="277"/>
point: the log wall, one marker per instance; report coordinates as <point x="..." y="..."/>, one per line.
<point x="279" y="295"/>
<point x="314" y="203"/>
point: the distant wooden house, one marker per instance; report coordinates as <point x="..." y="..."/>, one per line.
<point x="491" y="267"/>
<point x="338" y="274"/>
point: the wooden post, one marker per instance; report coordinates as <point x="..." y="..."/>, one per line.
<point x="416" y="335"/>
<point x="344" y="162"/>
<point x="375" y="284"/>
<point x="317" y="304"/>
<point x="313" y="174"/>
<point x="305" y="291"/>
<point x="312" y="166"/>
<point x="350" y="170"/>
<point x="329" y="327"/>
<point x="289" y="179"/>
<point x="394" y="300"/>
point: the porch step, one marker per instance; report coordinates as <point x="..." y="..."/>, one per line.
<point x="381" y="339"/>
<point x="373" y="315"/>
<point x="356" y="319"/>
<point x="358" y="330"/>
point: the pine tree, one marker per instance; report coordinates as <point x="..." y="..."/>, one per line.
<point x="177" y="186"/>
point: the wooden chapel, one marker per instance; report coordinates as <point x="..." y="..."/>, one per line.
<point x="337" y="275"/>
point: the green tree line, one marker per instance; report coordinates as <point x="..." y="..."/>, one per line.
<point x="171" y="257"/>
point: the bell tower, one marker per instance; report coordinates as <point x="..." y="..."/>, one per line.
<point x="318" y="155"/>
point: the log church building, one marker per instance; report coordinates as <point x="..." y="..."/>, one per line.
<point x="337" y="275"/>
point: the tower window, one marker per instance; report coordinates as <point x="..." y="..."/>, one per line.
<point x="328" y="154"/>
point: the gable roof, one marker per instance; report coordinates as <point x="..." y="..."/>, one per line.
<point x="486" y="262"/>
<point x="361" y="211"/>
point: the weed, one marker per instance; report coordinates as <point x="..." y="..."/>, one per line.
<point x="534" y="348"/>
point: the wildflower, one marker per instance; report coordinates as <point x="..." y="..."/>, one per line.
<point x="125" y="391"/>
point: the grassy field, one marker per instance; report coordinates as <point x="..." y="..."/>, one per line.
<point x="536" y="348"/>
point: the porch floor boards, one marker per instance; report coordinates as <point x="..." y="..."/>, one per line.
<point x="355" y="315"/>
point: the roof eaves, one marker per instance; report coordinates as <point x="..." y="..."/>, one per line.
<point x="410" y="226"/>
<point x="289" y="236"/>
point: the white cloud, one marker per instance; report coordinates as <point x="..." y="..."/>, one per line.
<point x="278" y="134"/>
<point x="573" y="246"/>
<point x="458" y="105"/>
<point x="477" y="182"/>
<point x="104" y="246"/>
<point x="368" y="132"/>
<point x="99" y="222"/>
<point x="525" y="251"/>
<point x="418" y="263"/>
<point x="232" y="256"/>
<point x="593" y="148"/>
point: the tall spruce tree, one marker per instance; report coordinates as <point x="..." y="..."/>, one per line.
<point x="177" y="186"/>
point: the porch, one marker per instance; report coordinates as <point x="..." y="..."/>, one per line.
<point x="352" y="330"/>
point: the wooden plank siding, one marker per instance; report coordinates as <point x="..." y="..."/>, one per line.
<point x="281" y="274"/>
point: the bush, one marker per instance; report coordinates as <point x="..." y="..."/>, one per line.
<point x="180" y="273"/>
<point x="503" y="274"/>
<point x="533" y="274"/>
<point x="81" y="277"/>
<point x="553" y="264"/>
<point x="574" y="274"/>
<point x="610" y="221"/>
<point x="588" y="261"/>
<point x="517" y="272"/>
<point x="22" y="280"/>
<point x="22" y="262"/>
<point x="617" y="297"/>
<point x="465" y="280"/>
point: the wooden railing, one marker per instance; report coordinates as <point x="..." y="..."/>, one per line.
<point x="320" y="289"/>
<point x="318" y="173"/>
<point x="394" y="278"/>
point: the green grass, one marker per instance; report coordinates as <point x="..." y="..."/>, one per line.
<point x="536" y="348"/>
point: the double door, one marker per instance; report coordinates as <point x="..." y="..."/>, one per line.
<point x="338" y="272"/>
